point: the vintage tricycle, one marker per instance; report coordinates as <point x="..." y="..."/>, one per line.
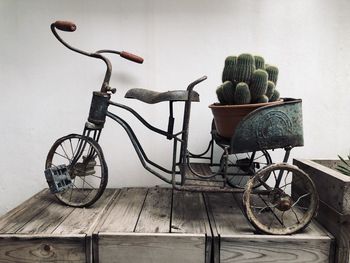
<point x="76" y="170"/>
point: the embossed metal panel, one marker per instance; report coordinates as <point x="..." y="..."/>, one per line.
<point x="270" y="127"/>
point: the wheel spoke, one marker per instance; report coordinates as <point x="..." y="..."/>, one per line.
<point x="301" y="197"/>
<point x="273" y="210"/>
<point x="73" y="148"/>
<point x="277" y="212"/>
<point x="63" y="156"/>
<point x="70" y="197"/>
<point x="296" y="216"/>
<point x="65" y="153"/>
<point x="87" y="183"/>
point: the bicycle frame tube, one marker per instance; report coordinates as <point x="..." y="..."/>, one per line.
<point x="139" y="150"/>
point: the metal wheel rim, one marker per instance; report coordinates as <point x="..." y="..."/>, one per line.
<point x="88" y="183"/>
<point x="306" y="217"/>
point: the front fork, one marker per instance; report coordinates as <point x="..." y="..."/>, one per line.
<point x="95" y="123"/>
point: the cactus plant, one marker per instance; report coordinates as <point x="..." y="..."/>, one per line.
<point x="273" y="73"/>
<point x="258" y="84"/>
<point x="228" y="91"/>
<point x="275" y="95"/>
<point x="256" y="81"/>
<point x="259" y="62"/>
<point x="245" y="68"/>
<point x="270" y="89"/>
<point x="220" y="95"/>
<point x="262" y="99"/>
<point x="229" y="69"/>
<point x="242" y="93"/>
<point x="225" y="93"/>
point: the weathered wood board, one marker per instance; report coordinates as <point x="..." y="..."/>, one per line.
<point x="235" y="240"/>
<point x="149" y="225"/>
<point x="334" y="209"/>
<point x="154" y="225"/>
<point x="339" y="225"/>
<point x="333" y="187"/>
<point x="43" y="230"/>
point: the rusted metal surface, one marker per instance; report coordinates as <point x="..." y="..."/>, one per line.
<point x="98" y="108"/>
<point x="270" y="127"/>
<point x="152" y="97"/>
<point x="301" y="202"/>
<point x="65" y="26"/>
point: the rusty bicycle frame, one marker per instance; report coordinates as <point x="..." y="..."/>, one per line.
<point x="99" y="111"/>
<point x="268" y="127"/>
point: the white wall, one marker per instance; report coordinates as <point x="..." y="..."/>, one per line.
<point x="46" y="89"/>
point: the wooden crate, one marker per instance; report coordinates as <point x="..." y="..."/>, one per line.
<point x="148" y="225"/>
<point x="334" y="210"/>
<point x="43" y="230"/>
<point x="235" y="240"/>
<point x="154" y="225"/>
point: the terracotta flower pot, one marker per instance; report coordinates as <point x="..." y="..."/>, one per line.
<point x="227" y="117"/>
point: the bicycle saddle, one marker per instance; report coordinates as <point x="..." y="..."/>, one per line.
<point x="152" y="97"/>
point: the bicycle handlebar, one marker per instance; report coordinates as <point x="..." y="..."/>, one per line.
<point x="71" y="27"/>
<point x="132" y="57"/>
<point x="65" y="26"/>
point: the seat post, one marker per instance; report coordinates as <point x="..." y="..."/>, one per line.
<point x="186" y="119"/>
<point x="170" y="121"/>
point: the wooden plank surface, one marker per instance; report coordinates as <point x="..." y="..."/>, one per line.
<point x="189" y="213"/>
<point x="151" y="248"/>
<point x="43" y="230"/>
<point x="14" y="220"/>
<point x="42" y="249"/>
<point x="333" y="187"/>
<point x="237" y="241"/>
<point x="149" y="225"/>
<point x="202" y="169"/>
<point x="227" y="215"/>
<point x="81" y="221"/>
<point x="125" y="211"/>
<point x="339" y="226"/>
<point x="273" y="249"/>
<point x="154" y="225"/>
<point x="156" y="212"/>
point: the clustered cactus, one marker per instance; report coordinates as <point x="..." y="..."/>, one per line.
<point x="247" y="79"/>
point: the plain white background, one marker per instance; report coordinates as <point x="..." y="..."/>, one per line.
<point x="46" y="89"/>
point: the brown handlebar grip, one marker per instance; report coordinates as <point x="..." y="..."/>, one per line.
<point x="131" y="57"/>
<point x="65" y="26"/>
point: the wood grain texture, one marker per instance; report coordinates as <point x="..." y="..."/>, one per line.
<point x="11" y="222"/>
<point x="202" y="169"/>
<point x="156" y="212"/>
<point x="125" y="211"/>
<point x="189" y="213"/>
<point x="235" y="240"/>
<point x="43" y="230"/>
<point x="339" y="226"/>
<point x="333" y="187"/>
<point x="42" y="249"/>
<point x="227" y="215"/>
<point x="81" y="220"/>
<point x="151" y="248"/>
<point x="260" y="249"/>
<point x="46" y="221"/>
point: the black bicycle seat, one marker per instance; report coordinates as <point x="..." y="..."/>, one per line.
<point x="152" y="97"/>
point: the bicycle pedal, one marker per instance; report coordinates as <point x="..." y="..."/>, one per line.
<point x="58" y="178"/>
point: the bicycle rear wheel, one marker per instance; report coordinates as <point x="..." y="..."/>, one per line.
<point x="243" y="166"/>
<point x="86" y="167"/>
<point x="283" y="205"/>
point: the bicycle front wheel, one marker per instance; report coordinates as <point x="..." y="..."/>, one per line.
<point x="86" y="166"/>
